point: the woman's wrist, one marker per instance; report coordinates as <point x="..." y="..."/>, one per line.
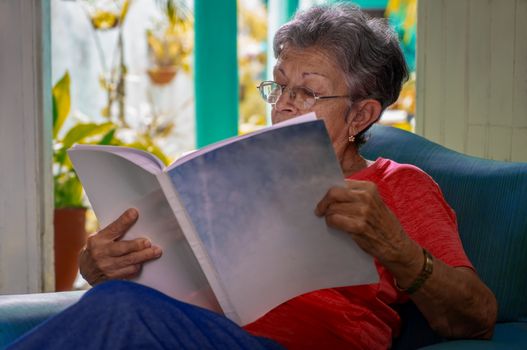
<point x="409" y="264"/>
<point x="426" y="271"/>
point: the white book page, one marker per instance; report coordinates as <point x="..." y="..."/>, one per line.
<point x="197" y="153"/>
<point x="145" y="160"/>
<point x="114" y="184"/>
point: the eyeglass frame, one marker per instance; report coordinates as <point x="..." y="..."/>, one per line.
<point x="284" y="87"/>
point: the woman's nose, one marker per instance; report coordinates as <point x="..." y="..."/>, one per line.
<point x="285" y="101"/>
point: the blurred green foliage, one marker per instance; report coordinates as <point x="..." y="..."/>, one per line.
<point x="68" y="189"/>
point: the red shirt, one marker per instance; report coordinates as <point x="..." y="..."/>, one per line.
<point x="360" y="317"/>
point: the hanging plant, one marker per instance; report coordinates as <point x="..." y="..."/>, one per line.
<point x="170" y="42"/>
<point x="106" y="14"/>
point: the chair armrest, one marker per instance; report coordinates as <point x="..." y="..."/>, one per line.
<point x="20" y="313"/>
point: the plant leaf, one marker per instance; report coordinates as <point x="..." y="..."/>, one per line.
<point x="155" y="150"/>
<point x="81" y="132"/>
<point x="107" y="139"/>
<point x="124" y="11"/>
<point x="60" y="156"/>
<point x="61" y="102"/>
<point x="149" y="146"/>
<point x="68" y="191"/>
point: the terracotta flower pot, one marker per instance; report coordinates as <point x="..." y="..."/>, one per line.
<point x="162" y="75"/>
<point x="70" y="237"/>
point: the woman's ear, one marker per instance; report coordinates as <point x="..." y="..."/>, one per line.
<point x="364" y="113"/>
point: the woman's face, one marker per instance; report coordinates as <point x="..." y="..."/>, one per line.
<point x="314" y="69"/>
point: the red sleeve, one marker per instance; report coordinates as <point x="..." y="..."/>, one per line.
<point x="417" y="201"/>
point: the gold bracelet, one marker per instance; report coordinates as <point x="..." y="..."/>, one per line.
<point x="426" y="271"/>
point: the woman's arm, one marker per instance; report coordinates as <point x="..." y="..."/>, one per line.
<point x="454" y="300"/>
<point x="456" y="303"/>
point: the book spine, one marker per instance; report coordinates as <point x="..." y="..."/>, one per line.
<point x="197" y="247"/>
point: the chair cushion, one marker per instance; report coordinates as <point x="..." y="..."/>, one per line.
<point x="507" y="336"/>
<point x="20" y="313"/>
<point x="490" y="200"/>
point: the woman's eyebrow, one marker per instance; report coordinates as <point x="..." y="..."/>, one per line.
<point x="305" y="74"/>
<point x="281" y="71"/>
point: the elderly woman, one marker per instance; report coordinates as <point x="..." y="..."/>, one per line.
<point x="347" y="68"/>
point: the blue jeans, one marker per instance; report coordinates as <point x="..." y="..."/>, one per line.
<point x="126" y="315"/>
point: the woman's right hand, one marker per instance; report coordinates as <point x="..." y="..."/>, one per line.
<point x="105" y="257"/>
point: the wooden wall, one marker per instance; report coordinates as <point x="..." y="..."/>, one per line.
<point x="472" y="76"/>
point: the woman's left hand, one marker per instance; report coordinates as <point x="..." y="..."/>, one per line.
<point x="359" y="210"/>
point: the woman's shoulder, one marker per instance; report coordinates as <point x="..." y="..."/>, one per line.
<point x="407" y="186"/>
<point x="398" y="179"/>
<point x="387" y="169"/>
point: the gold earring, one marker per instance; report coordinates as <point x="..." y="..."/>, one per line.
<point x="351" y="139"/>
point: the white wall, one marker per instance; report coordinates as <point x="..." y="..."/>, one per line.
<point x="26" y="232"/>
<point x="472" y="76"/>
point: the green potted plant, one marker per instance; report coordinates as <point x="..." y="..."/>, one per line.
<point x="70" y="209"/>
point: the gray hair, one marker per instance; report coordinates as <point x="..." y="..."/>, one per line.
<point x="367" y="49"/>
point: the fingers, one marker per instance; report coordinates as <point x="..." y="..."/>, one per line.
<point x="355" y="191"/>
<point x="128" y="266"/>
<point x="120" y="226"/>
<point x="342" y="220"/>
<point x="111" y="264"/>
<point x="334" y="194"/>
<point x="120" y="248"/>
<point x="351" y="209"/>
<point x="361" y="231"/>
<point x="135" y="258"/>
<point x="96" y="266"/>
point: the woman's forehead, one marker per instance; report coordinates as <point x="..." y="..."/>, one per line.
<point x="310" y="62"/>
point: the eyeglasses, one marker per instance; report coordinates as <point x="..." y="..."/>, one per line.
<point x="302" y="97"/>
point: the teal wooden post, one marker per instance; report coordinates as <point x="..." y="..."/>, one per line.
<point x="215" y="70"/>
<point x="368" y="4"/>
<point x="279" y="12"/>
<point x="292" y="6"/>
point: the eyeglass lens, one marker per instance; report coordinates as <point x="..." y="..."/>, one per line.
<point x="301" y="97"/>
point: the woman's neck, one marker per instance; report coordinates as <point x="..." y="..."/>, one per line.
<point x="352" y="162"/>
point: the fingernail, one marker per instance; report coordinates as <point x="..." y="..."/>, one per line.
<point x="157" y="251"/>
<point x="147" y="243"/>
<point x="131" y="213"/>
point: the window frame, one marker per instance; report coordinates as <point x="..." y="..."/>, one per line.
<point x="26" y="183"/>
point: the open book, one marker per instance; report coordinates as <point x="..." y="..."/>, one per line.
<point x="235" y="219"/>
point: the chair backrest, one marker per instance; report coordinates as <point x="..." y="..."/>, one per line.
<point x="490" y="200"/>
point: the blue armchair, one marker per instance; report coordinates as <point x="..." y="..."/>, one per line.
<point x="490" y="199"/>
